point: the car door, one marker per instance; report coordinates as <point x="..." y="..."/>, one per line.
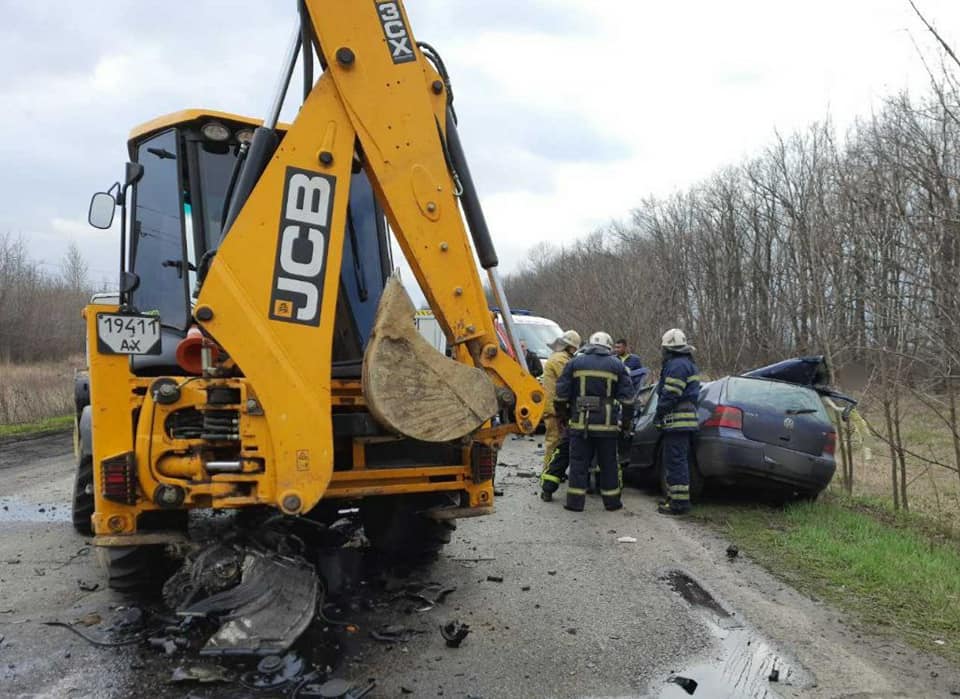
<point x="643" y="452"/>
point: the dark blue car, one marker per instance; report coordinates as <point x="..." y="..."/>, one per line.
<point x="756" y="431"/>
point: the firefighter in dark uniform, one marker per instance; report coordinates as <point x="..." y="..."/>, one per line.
<point x="677" y="394"/>
<point x="587" y="392"/>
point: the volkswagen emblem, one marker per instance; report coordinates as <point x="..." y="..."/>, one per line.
<point x="788" y="423"/>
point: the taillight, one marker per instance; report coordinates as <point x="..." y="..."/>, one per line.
<point x="119" y="479"/>
<point x="831" y="445"/>
<point x="483" y="462"/>
<point x="725" y="416"/>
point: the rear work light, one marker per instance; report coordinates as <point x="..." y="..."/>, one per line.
<point x="483" y="462"/>
<point x="725" y="416"/>
<point x="830" y="446"/>
<point x="119" y="479"/>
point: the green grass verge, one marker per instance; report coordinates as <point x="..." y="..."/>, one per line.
<point x="50" y="424"/>
<point x="890" y="570"/>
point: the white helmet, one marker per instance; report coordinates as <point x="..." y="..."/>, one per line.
<point x="676" y="341"/>
<point x="602" y="339"/>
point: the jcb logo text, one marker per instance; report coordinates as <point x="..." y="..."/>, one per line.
<point x="297" y="291"/>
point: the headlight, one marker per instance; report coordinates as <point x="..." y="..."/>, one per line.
<point x="215" y="131"/>
<point x="245" y="135"/>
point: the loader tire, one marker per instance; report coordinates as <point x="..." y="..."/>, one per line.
<point x="396" y="528"/>
<point x="136" y="569"/>
<point x="83" y="496"/>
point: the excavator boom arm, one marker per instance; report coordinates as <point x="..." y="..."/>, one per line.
<point x="271" y="292"/>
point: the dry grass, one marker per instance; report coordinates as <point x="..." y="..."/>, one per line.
<point x="31" y="393"/>
<point x="933" y="491"/>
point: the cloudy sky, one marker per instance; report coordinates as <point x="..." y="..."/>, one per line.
<point x="571" y="111"/>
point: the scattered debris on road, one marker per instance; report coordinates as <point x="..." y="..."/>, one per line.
<point x="203" y="674"/>
<point x="454" y="632"/>
<point x="495" y="578"/>
<point x="685" y="683"/>
<point x="393" y="633"/>
<point x="627" y="540"/>
<point x="732" y="551"/>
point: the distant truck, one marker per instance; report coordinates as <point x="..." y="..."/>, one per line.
<point x="537" y="332"/>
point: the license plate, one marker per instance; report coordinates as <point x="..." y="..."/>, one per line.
<point x="127" y="333"/>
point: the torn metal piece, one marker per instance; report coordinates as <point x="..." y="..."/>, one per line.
<point x="393" y="634"/>
<point x="204" y="572"/>
<point x="454" y="632"/>
<point x="204" y="674"/>
<point x="265" y="612"/>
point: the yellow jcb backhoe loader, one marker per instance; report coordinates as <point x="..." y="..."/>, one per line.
<point x="259" y="352"/>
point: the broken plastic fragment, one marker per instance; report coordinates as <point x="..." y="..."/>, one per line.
<point x="202" y="673"/>
<point x="454" y="632"/>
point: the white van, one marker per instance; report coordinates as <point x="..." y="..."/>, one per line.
<point x="536" y="331"/>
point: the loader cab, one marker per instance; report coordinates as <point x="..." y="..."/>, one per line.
<point x="175" y="225"/>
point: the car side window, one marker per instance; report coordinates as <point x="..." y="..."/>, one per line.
<point x="646" y="400"/>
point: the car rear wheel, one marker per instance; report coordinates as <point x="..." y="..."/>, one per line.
<point x="696" y="478"/>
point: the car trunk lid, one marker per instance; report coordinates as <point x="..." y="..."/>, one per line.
<point x="782" y="414"/>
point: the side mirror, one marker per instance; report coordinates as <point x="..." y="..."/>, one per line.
<point x="102" y="207"/>
<point x="133" y="174"/>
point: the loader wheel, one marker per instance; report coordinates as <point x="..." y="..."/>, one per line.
<point x="83" y="497"/>
<point x="396" y="527"/>
<point x="136" y="569"/>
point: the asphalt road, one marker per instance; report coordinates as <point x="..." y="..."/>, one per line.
<point x="577" y="614"/>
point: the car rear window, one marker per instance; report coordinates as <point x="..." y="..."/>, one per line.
<point x="778" y="396"/>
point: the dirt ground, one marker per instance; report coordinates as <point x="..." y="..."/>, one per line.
<point x="557" y="607"/>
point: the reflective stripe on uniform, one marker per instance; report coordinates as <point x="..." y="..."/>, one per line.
<point x="600" y="428"/>
<point x="548" y="477"/>
<point x="673" y="389"/>
<point x="679" y="488"/>
<point x="609" y="493"/>
<point x="576" y="491"/>
<point x="679" y="424"/>
<point x="691" y="379"/>
<point x="596" y="374"/>
<point x="672" y="417"/>
<point x="676" y="382"/>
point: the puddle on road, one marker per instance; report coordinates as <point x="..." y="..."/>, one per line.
<point x="744" y="664"/>
<point x="17" y="510"/>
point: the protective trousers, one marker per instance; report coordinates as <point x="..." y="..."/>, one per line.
<point x="582" y="450"/>
<point x="556" y="469"/>
<point x="676" y="461"/>
<point x="551" y="439"/>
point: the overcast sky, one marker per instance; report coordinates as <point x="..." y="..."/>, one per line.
<point x="571" y="111"/>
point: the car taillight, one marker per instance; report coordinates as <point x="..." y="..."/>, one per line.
<point x="119" y="479"/>
<point x="483" y="462"/>
<point x="725" y="416"/>
<point x="831" y="444"/>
